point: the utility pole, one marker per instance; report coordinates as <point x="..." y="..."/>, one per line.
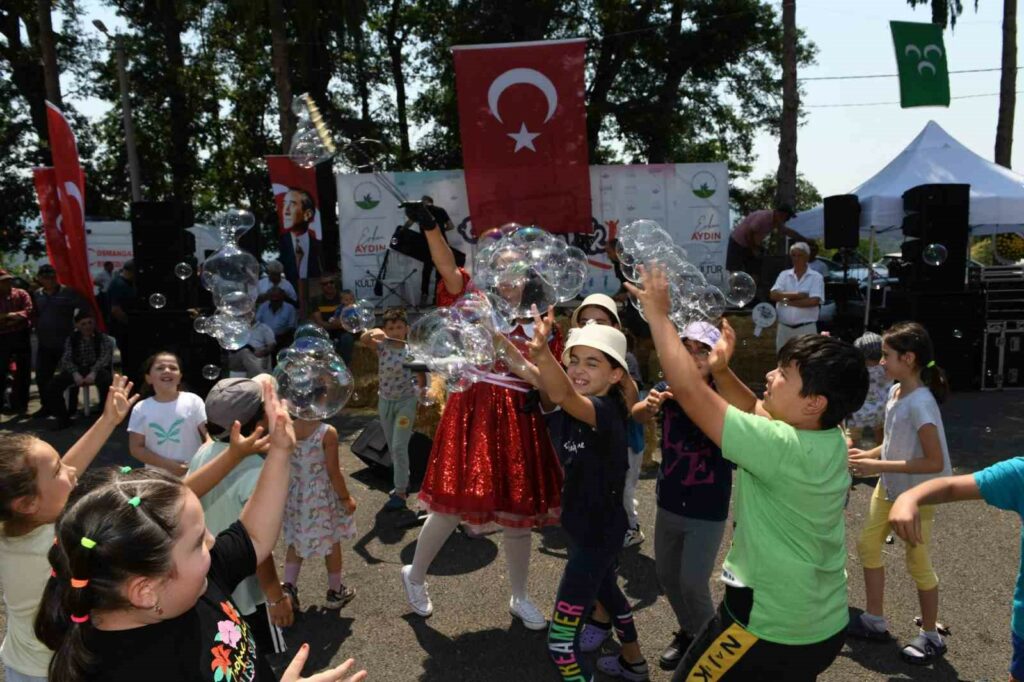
<point x="126" y="110"/>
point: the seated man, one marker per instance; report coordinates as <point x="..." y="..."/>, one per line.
<point x="279" y="315"/>
<point x="87" y="361"/>
<point x="255" y="356"/>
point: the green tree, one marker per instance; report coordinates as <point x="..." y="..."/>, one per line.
<point x="763" y="191"/>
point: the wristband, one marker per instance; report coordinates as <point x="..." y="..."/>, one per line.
<point x="275" y="603"/>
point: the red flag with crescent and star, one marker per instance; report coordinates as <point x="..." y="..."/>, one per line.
<point x="68" y="181"/>
<point x="524" y="134"/>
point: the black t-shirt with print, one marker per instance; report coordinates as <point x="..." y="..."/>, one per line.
<point x="694" y="480"/>
<point x="211" y="642"/>
<point x="595" y="462"/>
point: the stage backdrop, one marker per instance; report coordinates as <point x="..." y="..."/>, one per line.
<point x="690" y="200"/>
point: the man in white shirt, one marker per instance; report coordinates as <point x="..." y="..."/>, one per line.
<point x="798" y="294"/>
<point x="279" y="316"/>
<point x="254" y="357"/>
<point x="275" y="278"/>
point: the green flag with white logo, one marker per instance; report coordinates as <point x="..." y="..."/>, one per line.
<point x="921" y="58"/>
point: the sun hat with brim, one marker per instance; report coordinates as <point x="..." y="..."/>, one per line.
<point x="598" y="336"/>
<point x="602" y="301"/>
<point x="701" y="332"/>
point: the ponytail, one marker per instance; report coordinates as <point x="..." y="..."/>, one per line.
<point x="911" y="337"/>
<point x="121" y="524"/>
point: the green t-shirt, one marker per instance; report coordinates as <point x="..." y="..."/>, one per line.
<point x="789" y="543"/>
<point x="223" y="505"/>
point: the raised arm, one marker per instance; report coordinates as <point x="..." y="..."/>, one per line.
<point x="119" y="404"/>
<point x="206" y="477"/>
<point x="729" y="386"/>
<point x="264" y="511"/>
<point x="554" y="383"/>
<point x="705" y="407"/>
<point x="440" y="252"/>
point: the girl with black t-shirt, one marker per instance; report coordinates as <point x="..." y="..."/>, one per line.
<point x="141" y="590"/>
<point x="587" y="423"/>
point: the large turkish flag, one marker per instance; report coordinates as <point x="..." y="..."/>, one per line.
<point x="68" y="181"/>
<point x="524" y="134"/>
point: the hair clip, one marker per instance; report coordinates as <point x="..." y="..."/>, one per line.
<point x="125" y="470"/>
<point x="79" y="584"/>
<point x="53" y="572"/>
<point x="88" y="543"/>
<point x="80" y="619"/>
<point x="930" y="364"/>
<point x="135" y="501"/>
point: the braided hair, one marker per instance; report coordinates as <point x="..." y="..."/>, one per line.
<point x="118" y="524"/>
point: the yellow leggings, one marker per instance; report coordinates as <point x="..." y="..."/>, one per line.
<point x="872" y="537"/>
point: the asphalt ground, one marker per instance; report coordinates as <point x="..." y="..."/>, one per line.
<point x="471" y="636"/>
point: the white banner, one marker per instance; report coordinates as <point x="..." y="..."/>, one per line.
<point x="690" y="200"/>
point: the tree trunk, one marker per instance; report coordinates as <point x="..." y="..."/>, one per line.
<point x="940" y="13"/>
<point x="48" y="50"/>
<point x="676" y="64"/>
<point x="356" y="14"/>
<point x="27" y="74"/>
<point x="181" y="159"/>
<point x="394" y="45"/>
<point x="785" y="191"/>
<point x="1007" y="85"/>
<point x="282" y="79"/>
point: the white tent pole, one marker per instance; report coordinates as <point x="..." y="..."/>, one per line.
<point x="871" y="276"/>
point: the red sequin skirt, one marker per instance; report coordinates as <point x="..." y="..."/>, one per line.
<point x="491" y="463"/>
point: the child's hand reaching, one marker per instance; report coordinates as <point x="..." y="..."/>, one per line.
<point x="720" y="355"/>
<point x="653" y="296"/>
<point x="294" y="670"/>
<point x="542" y="326"/>
<point x="282" y="431"/>
<point x="119" y="399"/>
<point x="242" y="446"/>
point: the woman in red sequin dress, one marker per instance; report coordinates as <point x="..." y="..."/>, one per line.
<point x="491" y="463"/>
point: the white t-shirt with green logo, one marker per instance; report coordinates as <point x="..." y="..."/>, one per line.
<point x="172" y="428"/>
<point x="789" y="543"/>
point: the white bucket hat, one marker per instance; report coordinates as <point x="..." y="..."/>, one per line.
<point x="601" y="301"/>
<point x="600" y="336"/>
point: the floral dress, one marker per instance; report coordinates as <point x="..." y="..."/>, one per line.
<point x="872" y="413"/>
<point x="313" y="516"/>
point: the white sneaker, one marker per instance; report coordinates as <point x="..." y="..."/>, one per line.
<point x="417" y="595"/>
<point x="530" y="615"/>
<point x="634" y="536"/>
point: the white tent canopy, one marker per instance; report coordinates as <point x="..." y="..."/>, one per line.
<point x="997" y="194"/>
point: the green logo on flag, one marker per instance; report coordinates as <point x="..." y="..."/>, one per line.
<point x="921" y="59"/>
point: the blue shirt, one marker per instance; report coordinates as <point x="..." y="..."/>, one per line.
<point x="1002" y="486"/>
<point x="282" y="321"/>
<point x="595" y="462"/>
<point x="694" y="480"/>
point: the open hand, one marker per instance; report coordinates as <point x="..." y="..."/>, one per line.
<point x="119" y="399"/>
<point x="294" y="670"/>
<point x="720" y="355"/>
<point x="542" y="326"/>
<point x="242" y="446"/>
<point x="282" y="431"/>
<point x="653" y="296"/>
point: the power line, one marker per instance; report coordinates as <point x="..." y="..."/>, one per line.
<point x="889" y="75"/>
<point x="878" y="104"/>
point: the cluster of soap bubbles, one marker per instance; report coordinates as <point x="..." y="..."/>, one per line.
<point x="312" y="141"/>
<point x="458" y="342"/>
<point x="356" y="318"/>
<point x="527" y="266"/>
<point x="231" y="275"/>
<point x="645" y="244"/>
<point x="311" y="377"/>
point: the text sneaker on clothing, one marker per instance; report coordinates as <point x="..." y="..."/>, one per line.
<point x="616" y="666"/>
<point x="338" y="598"/>
<point x="523" y="609"/>
<point x="417" y="595"/>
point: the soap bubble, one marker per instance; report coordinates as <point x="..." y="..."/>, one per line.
<point x="357" y="317"/>
<point x="231" y="332"/>
<point x="310" y="329"/>
<point x="423" y="395"/>
<point x="182" y="271"/>
<point x="957" y="334"/>
<point x="712" y="302"/>
<point x="740" y="289"/>
<point x="459" y="384"/>
<point x="314" y="389"/>
<point x="157" y="300"/>
<point x="235" y="303"/>
<point x="211" y="372"/>
<point x="312" y="141"/>
<point x="934" y="255"/>
<point x="199" y="324"/>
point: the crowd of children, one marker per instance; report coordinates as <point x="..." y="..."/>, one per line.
<point x="167" y="570"/>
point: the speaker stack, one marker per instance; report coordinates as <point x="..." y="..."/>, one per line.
<point x="159" y="242"/>
<point x="842" y="221"/>
<point x="937" y="292"/>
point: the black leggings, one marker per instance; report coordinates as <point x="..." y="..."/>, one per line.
<point x="589" y="576"/>
<point x="725" y="650"/>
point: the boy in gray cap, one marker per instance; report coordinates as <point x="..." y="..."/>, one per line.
<point x="236" y="420"/>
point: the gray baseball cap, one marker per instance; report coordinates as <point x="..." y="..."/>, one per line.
<point x="233" y="399"/>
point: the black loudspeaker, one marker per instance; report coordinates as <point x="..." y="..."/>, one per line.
<point x="956" y="324"/>
<point x="152" y="330"/>
<point x="936" y="214"/>
<point x="413" y="244"/>
<point x="371" y="447"/>
<point x="159" y="242"/>
<point x="842" y="221"/>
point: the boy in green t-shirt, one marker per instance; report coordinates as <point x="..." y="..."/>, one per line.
<point x="784" y="613"/>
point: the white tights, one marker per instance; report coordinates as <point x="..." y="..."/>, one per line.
<point x="438" y="527"/>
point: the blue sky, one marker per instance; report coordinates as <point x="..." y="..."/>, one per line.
<point x="840" y="147"/>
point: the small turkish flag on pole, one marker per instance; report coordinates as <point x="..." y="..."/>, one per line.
<point x="524" y="134"/>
